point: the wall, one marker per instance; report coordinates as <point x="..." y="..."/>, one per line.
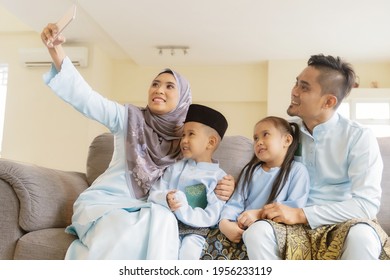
<point x="282" y="76"/>
<point x="238" y="91"/>
<point x="369" y="72"/>
<point x="41" y="129"/>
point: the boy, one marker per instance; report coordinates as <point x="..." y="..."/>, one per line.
<point x="187" y="187"/>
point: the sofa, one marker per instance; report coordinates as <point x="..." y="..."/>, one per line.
<point x="36" y="202"/>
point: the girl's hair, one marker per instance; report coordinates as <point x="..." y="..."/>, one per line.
<point x="247" y="172"/>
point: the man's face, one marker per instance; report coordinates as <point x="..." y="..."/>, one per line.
<point x="307" y="101"/>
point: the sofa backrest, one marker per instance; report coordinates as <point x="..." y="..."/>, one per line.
<point x="233" y="153"/>
<point x="99" y="156"/>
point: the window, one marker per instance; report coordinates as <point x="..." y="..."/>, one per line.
<point x="3" y="93"/>
<point x="370" y="107"/>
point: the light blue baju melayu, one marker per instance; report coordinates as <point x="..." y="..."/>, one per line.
<point x="183" y="176"/>
<point x="112" y="218"/>
<point x="294" y="192"/>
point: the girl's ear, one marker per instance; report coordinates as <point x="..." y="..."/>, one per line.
<point x="288" y="139"/>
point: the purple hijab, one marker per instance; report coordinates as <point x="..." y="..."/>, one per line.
<point x="152" y="141"/>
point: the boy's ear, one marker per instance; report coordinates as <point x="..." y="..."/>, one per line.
<point x="213" y="140"/>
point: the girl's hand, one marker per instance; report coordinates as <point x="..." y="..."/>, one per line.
<point x="225" y="187"/>
<point x="248" y="217"/>
<point x="231" y="230"/>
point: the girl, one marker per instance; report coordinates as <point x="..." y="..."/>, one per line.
<point x="271" y="176"/>
<point x="112" y="218"/>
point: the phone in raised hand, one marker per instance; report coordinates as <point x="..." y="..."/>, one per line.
<point x="64" y="21"/>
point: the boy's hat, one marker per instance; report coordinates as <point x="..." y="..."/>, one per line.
<point x="208" y="116"/>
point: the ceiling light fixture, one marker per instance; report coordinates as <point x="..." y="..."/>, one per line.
<point x="172" y="49"/>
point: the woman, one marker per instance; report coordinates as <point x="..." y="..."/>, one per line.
<point x="112" y="218"/>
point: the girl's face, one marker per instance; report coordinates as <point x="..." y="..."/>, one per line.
<point x="269" y="144"/>
<point x="163" y="94"/>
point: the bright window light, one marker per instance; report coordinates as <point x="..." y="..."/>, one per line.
<point x="344" y="110"/>
<point x="372" y="111"/>
<point x="3" y="94"/>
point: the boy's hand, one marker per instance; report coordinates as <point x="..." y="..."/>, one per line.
<point x="173" y="203"/>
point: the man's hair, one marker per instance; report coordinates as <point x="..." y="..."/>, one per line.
<point x="336" y="75"/>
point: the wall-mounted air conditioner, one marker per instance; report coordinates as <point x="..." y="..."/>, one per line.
<point x="38" y="57"/>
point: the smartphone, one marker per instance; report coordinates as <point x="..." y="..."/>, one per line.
<point x="65" y="20"/>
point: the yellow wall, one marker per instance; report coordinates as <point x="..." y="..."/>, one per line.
<point x="238" y="91"/>
<point x="41" y="129"/>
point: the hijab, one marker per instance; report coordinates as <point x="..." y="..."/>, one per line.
<point x="152" y="141"/>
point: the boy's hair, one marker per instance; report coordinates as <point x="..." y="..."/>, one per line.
<point x="337" y="76"/>
<point x="247" y="172"/>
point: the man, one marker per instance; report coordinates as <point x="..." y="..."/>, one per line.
<point x="345" y="167"/>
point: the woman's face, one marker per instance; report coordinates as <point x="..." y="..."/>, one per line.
<point x="163" y="94"/>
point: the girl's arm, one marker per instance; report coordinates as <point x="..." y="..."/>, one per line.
<point x="225" y="188"/>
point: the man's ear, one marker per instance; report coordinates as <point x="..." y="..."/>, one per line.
<point x="330" y="101"/>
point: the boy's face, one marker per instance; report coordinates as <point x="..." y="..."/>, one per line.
<point x="195" y="142"/>
<point x="163" y="94"/>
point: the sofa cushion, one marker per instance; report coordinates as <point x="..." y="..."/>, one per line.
<point x="46" y="195"/>
<point x="46" y="244"/>
<point x="234" y="153"/>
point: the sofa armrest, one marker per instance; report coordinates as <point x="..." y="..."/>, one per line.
<point x="46" y="196"/>
<point x="9" y="213"/>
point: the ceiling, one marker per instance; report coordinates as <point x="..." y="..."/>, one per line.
<point x="217" y="32"/>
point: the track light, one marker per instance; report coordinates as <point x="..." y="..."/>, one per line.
<point x="173" y="50"/>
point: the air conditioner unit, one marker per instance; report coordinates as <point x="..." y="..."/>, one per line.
<point x="38" y="57"/>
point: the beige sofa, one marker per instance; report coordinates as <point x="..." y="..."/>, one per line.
<point x="36" y="202"/>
